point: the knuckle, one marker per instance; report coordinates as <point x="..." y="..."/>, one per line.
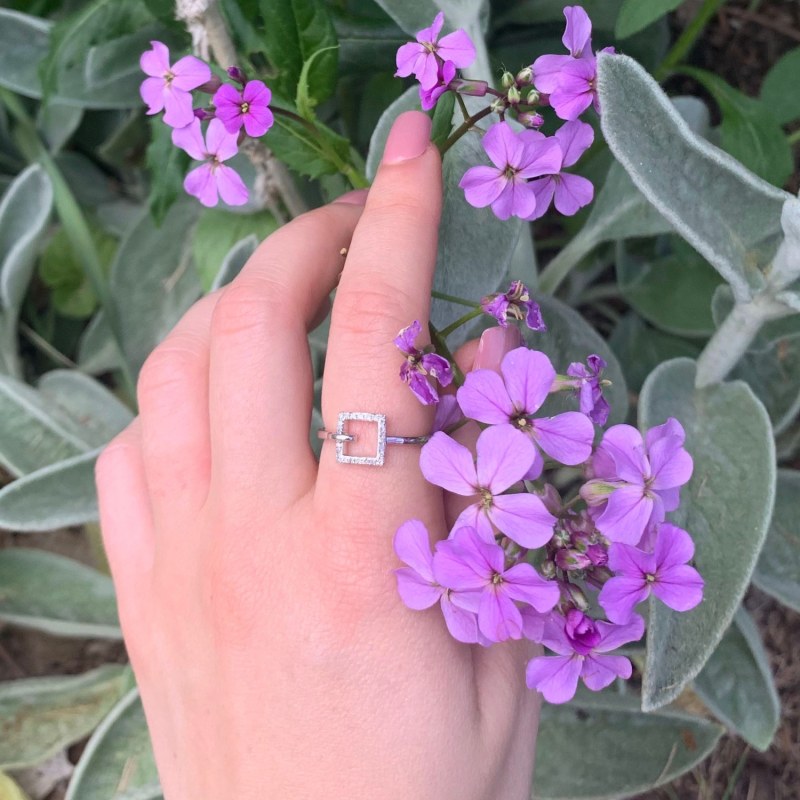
<point x="248" y="307"/>
<point x="118" y="451"/>
<point x="373" y="312"/>
<point x="168" y="366"/>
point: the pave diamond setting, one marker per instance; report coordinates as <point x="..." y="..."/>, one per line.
<point x="362" y="416"/>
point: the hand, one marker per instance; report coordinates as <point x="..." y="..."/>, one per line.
<point x="256" y="593"/>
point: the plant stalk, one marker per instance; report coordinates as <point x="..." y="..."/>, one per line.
<point x="465" y="127"/>
<point x="554" y="274"/>
<point x="686" y="40"/>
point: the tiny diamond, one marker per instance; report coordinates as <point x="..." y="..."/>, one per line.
<point x="361" y="416"/>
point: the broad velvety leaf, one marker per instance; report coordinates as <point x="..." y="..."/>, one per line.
<point x="636" y="15"/>
<point x="57" y="122"/>
<point x="779" y="89"/>
<point x="726" y="507"/>
<point x="96" y="349"/>
<point x="57" y="595"/>
<point x="40" y="716"/>
<point x="56" y="496"/>
<point x="153" y="280"/>
<point x="167" y="166"/>
<point x="234" y="260"/>
<point x="778" y="568"/>
<point x="729" y="215"/>
<point x="736" y="684"/>
<point x="24" y="41"/>
<point x="602" y="746"/>
<point x="24" y="212"/>
<point x="367" y="43"/>
<point x="118" y="751"/>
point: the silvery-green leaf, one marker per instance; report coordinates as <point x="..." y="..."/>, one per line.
<point x="56" y="496"/>
<point x="737" y="685"/>
<point x="99" y="415"/>
<point x="24" y="41"/>
<point x="779" y="89"/>
<point x="33" y="432"/>
<point x="695" y="112"/>
<point x="24" y="212"/>
<point x="778" y="568"/>
<point x="726" y="507"/>
<point x="96" y="349"/>
<point x="724" y="211"/>
<point x="57" y="595"/>
<point x="786" y="265"/>
<point x="234" y="261"/>
<point x="118" y="751"/>
<point x="601" y="746"/>
<point x="153" y="281"/>
<point x="57" y="122"/>
<point x="636" y="15"/>
<point x="40" y="716"/>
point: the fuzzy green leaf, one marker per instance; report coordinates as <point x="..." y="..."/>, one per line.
<point x="779" y="89"/>
<point x="635" y="15"/>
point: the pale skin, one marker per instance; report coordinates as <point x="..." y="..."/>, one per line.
<point x="274" y="656"/>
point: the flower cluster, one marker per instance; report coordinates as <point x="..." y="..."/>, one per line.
<point x="237" y="110"/>
<point x="527" y="173"/>
<point x="520" y="561"/>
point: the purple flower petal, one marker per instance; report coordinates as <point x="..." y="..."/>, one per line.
<point x="178" y="112"/>
<point x="438" y="367"/>
<point x="417" y="593"/>
<point x="574" y="138"/>
<point x="630" y="561"/>
<point x="523" y="518"/>
<point x="554" y="636"/>
<point x="601" y="671"/>
<point x="458" y="48"/>
<point x="448" y="413"/>
<point x="152" y="93"/>
<point x="412" y="546"/>
<point x="190" y="72"/>
<point x="532" y="623"/>
<point x="624" y="444"/>
<point x="256" y="93"/>
<point x="258" y="121"/>
<point x="431" y="34"/>
<point x="575" y="91"/>
<point x="420" y="386"/>
<point x="541" y="158"/>
<point x="482" y="185"/>
<point x="619" y="596"/>
<point x="200" y="183"/>
<point x="454" y="572"/>
<point x="572" y="193"/>
<point x="516" y="200"/>
<point x="528" y="376"/>
<point x="679" y="587"/>
<point x="578" y="32"/>
<point x="230" y="185"/>
<point x="221" y="143"/>
<point x="673" y="546"/>
<point x="404" y="341"/>
<point x="408" y="56"/>
<point x="462" y="624"/>
<point x="556" y="677"/>
<point x="190" y="139"/>
<point x="547" y="72"/>
<point x="503" y="146"/>
<point x="522" y="582"/>
<point x="614" y="636"/>
<point x="484" y="397"/>
<point x="626" y="515"/>
<point x="446" y="463"/>
<point x="498" y="618"/>
<point x="566" y="437"/>
<point x="504" y="456"/>
<point x="544" y="189"/>
<point x="155" y="62"/>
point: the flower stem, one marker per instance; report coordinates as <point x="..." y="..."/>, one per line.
<point x="463" y="106"/>
<point x="557" y="270"/>
<point x="465" y="127"/>
<point x="443" y="350"/>
<point x="454" y="326"/>
<point x="451" y="298"/>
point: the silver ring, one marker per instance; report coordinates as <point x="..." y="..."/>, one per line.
<point x="341" y="438"/>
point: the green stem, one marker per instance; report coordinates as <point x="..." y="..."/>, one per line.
<point x="687" y="39"/>
<point x="454" y="326"/>
<point x="602" y="291"/>
<point x="41" y="344"/>
<point x="443" y="350"/>
<point x="794" y="137"/>
<point x="77" y="231"/>
<point x="451" y="298"/>
<point x="554" y="274"/>
<point x="465" y="127"/>
<point x="463" y="106"/>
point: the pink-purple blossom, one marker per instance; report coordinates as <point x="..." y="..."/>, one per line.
<point x="637" y="480"/>
<point x="475" y="570"/>
<point x="515" y="303"/>
<point x="504" y="456"/>
<point x="429" y="97"/>
<point x="420" y="368"/>
<point x="248" y="108"/>
<point x="169" y="87"/>
<point x="517" y="157"/>
<point x="421" y="58"/>
<point x="511" y="398"/>
<point x="582" y="646"/>
<point x="212" y="179"/>
<point x="569" y="192"/>
<point x="664" y="572"/>
<point x="589" y="385"/>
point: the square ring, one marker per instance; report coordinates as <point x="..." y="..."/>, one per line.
<point x="361" y="416"/>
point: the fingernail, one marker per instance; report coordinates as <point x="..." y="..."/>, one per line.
<point x="494" y="344"/>
<point x="355" y="198"/>
<point x="408" y="138"/>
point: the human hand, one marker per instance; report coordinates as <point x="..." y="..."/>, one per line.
<point x="256" y="594"/>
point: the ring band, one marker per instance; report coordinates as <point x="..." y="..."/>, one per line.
<point x="341" y="438"/>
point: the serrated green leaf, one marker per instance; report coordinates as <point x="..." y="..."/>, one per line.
<point x="40" y="716"/>
<point x="118" y="750"/>
<point x="306" y="101"/>
<point x="726" y="507"/>
<point x="779" y="89"/>
<point x="636" y="15"/>
<point x="305" y="152"/>
<point x="57" y="595"/>
<point x="737" y="685"/>
<point x="622" y="751"/>
<point x="729" y="215"/>
<point x="167" y="166"/>
<point x="778" y="568"/>
<point x="24" y="43"/>
<point x="56" y="496"/>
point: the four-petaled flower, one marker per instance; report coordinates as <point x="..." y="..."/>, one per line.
<point x="421" y="58"/>
<point x="421" y="367"/>
<point x="248" y="107"/>
<point x="517" y="157"/>
<point x="504" y="457"/>
<point x="475" y="570"/>
<point x="511" y="398"/>
<point x="664" y="572"/>
<point x="429" y="97"/>
<point x="212" y="179"/>
<point x="516" y="303"/>
<point x="590" y="388"/>
<point x="637" y="480"/>
<point x="581" y="645"/>
<point x="169" y="87"/>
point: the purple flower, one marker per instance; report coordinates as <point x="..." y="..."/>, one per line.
<point x="517" y="304"/>
<point x="418" y="588"/>
<point x="169" y="87"/>
<point x="516" y="158"/>
<point x="576" y="89"/>
<point x="664" y="572"/>
<point x="637" y="480"/>
<point x="248" y="108"/>
<point x="577" y="39"/>
<point x="448" y="413"/>
<point x="421" y="368"/>
<point x="420" y="58"/>
<point x="504" y="456"/>
<point x="511" y="398"/>
<point x="475" y="570"/>
<point x="429" y="97"/>
<point x="581" y="645"/>
<point x="213" y="179"/>
<point x="590" y="388"/>
<point x="571" y="192"/>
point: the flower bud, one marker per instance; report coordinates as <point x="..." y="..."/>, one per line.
<point x="574" y="595"/>
<point x="210" y="86"/>
<point x="551" y="499"/>
<point x="507" y="80"/>
<point x="513" y="96"/>
<point x="238" y="75"/>
<point x="499" y="105"/>
<point x="471" y="88"/>
<point x="596" y="492"/>
<point x="570" y="560"/>
<point x="533" y="98"/>
<point x="548" y="569"/>
<point x="203" y="114"/>
<point x="597" y="554"/>
<point x="524" y="76"/>
<point x="531" y="120"/>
